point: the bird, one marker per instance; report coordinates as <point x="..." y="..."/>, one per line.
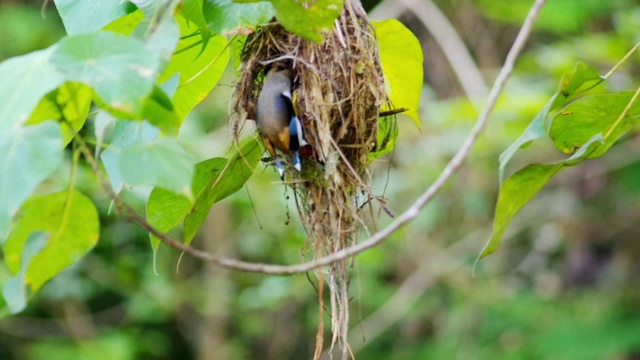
<point x="278" y="124"/>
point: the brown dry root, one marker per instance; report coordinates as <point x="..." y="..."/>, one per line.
<point x="339" y="88"/>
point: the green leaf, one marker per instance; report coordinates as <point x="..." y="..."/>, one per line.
<point x="582" y="79"/>
<point x="28" y="155"/>
<point x="118" y="68"/>
<point x="161" y="162"/>
<point x="401" y="58"/>
<point x="159" y="111"/>
<point x="192" y="10"/>
<point x="214" y="180"/>
<point x="80" y="16"/>
<point x="69" y="105"/>
<point x="518" y="189"/>
<point x="516" y="192"/>
<point x="27" y="79"/>
<point x="126" y="134"/>
<point x="227" y="17"/>
<point x="70" y="221"/>
<point x="220" y="184"/>
<point x="15" y="290"/>
<point x="588" y="116"/>
<point x="311" y="20"/>
<point x="199" y="70"/>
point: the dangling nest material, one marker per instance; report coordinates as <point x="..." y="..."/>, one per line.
<point x="339" y="89"/>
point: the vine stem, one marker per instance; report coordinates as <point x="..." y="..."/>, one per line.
<point x="410" y="214"/>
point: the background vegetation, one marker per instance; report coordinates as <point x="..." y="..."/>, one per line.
<point x="564" y="284"/>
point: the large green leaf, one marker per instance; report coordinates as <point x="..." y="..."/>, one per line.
<point x="199" y="70"/>
<point x="126" y="134"/>
<point x="160" y="112"/>
<point x="309" y="19"/>
<point x="28" y="155"/>
<point x="227" y="17"/>
<point x="70" y="221"/>
<point x="193" y="11"/>
<point x="582" y="79"/>
<point x="69" y="104"/>
<point x="401" y="58"/>
<point x="26" y="80"/>
<point x="588" y="116"/>
<point x="214" y="180"/>
<point x="81" y="16"/>
<point x="118" y="68"/>
<point x="161" y="162"/>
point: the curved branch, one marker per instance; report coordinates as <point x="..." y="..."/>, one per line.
<point x="410" y="214"/>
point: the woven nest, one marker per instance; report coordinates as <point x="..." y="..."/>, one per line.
<point x="338" y="91"/>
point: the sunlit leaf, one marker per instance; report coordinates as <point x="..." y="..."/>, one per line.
<point x="28" y="155"/>
<point x="160" y="112"/>
<point x="161" y="162"/>
<point x="80" y="16"/>
<point x="70" y="221"/>
<point x="401" y="58"/>
<point x="125" y="25"/>
<point x="69" y="105"/>
<point x="118" y="68"/>
<point x="199" y="70"/>
<point x="193" y="11"/>
<point x="26" y="79"/>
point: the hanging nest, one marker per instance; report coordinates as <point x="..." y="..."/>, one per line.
<point x="338" y="91"/>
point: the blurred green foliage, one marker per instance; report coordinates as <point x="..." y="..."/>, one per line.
<point x="563" y="286"/>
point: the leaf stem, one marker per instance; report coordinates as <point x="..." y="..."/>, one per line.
<point x="623" y="114"/>
<point x="622" y="61"/>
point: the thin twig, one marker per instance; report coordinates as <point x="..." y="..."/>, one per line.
<point x="410" y="214"/>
